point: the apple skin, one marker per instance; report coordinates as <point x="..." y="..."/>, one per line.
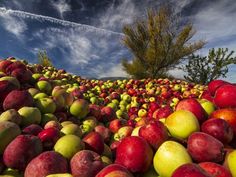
<point x="107" y="114"/>
<point x="115" y="125"/>
<point x="193" y="106"/>
<point x="123" y="132"/>
<point x="4" y="64"/>
<point x="94" y="141"/>
<point x="46" y="105"/>
<point x="219" y="129"/>
<point x="155" y="133"/>
<point x="114" y="170"/>
<point x="215" y="169"/>
<point x="205" y="148"/>
<point x="49" y="137"/>
<point x="227" y="114"/>
<point x="79" y="108"/>
<point x="231" y="161"/>
<point x="172" y="155"/>
<point x="33" y="129"/>
<point x="11" y="115"/>
<point x="104" y="132"/>
<point x="23" y="99"/>
<point x="181" y="124"/>
<point x="214" y="85"/>
<point x="68" y="145"/>
<point x="225" y="96"/>
<point x="30" y="115"/>
<point x="190" y="170"/>
<point x="24" y="147"/>
<point x="48" y="162"/>
<point x="5" y="88"/>
<point x="44" y="86"/>
<point x="163" y="112"/>
<point x="8" y="132"/>
<point x="12" y="80"/>
<point x="133" y="158"/>
<point x="86" y="163"/>
<point x="207" y="105"/>
<point x="72" y="129"/>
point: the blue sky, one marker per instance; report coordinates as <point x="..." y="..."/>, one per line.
<point x="84" y="36"/>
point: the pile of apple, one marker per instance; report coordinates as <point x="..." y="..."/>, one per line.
<point x="55" y="124"/>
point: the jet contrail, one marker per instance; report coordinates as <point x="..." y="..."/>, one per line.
<point x="58" y="21"/>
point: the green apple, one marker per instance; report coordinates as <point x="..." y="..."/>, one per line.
<point x="36" y="76"/>
<point x="30" y="115"/>
<point x="91" y="121"/>
<point x="208" y="106"/>
<point x="44" y="86"/>
<point x="169" y="156"/>
<point x="79" y="108"/>
<point x="46" y="105"/>
<point x="73" y="129"/>
<point x="68" y="145"/>
<point x="11" y="115"/>
<point x="93" y="100"/>
<point x="181" y="124"/>
<point x="135" y="131"/>
<point x="8" y="131"/>
<point x="126" y="98"/>
<point x="40" y="95"/>
<point x="142" y="112"/>
<point x="33" y="91"/>
<point x="65" y="123"/>
<point x="231" y="161"/>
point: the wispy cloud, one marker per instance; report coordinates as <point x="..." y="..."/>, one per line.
<point x="12" y="24"/>
<point x="42" y="18"/>
<point x="216" y="21"/>
<point x="62" y="6"/>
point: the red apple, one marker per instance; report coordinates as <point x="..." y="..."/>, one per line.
<point x="227" y="114"/>
<point x="155" y="133"/>
<point x="218" y="128"/>
<point x="225" y="96"/>
<point x="24" y="148"/>
<point x="48" y="162"/>
<point x="114" y="170"/>
<point x="134" y="153"/>
<point x="193" y="106"/>
<point x="190" y="170"/>
<point x="23" y="99"/>
<point x="163" y="112"/>
<point x="86" y="163"/>
<point x="49" y="137"/>
<point x="214" y="85"/>
<point x="104" y="132"/>
<point x="203" y="147"/>
<point x="94" y="141"/>
<point x="115" y="125"/>
<point x="215" y="169"/>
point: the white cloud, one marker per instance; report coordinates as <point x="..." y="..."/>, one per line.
<point x="116" y="16"/>
<point x="13" y="24"/>
<point x="62" y="6"/>
<point x="216" y="21"/>
<point x="115" y="71"/>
